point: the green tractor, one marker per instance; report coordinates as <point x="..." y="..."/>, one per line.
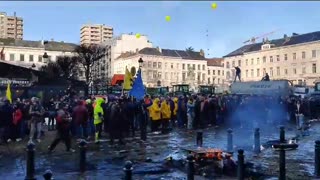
<point x="206" y="89"/>
<point x="180" y="89"/>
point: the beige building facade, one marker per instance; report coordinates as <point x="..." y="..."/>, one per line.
<point x="11" y="26"/>
<point x="294" y="58"/>
<point x="95" y="33"/>
<point x="125" y="43"/>
<point x="167" y="66"/>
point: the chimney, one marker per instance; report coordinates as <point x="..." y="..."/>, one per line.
<point x="202" y="52"/>
<point x="285" y="36"/>
<point x="159" y="49"/>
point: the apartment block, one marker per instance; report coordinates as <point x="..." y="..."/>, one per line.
<point x="95" y="33"/>
<point x="11" y="26"/>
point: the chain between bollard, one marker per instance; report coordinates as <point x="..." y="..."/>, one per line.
<point x="128" y="170"/>
<point x="30" y="162"/>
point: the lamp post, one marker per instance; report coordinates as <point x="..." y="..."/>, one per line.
<point x="45" y="57"/>
<point x="140" y="62"/>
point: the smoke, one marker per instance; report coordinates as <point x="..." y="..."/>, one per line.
<point x="247" y="113"/>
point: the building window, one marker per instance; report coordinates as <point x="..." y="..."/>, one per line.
<point x="203" y="67"/>
<point x="264" y="71"/>
<point x="239" y="63"/>
<point x="159" y="65"/>
<point x="218" y="81"/>
<point x="154" y="65"/>
<point x="233" y="63"/>
<point x="278" y="71"/>
<point x="209" y="81"/>
<point x="228" y="65"/>
<point x="258" y="61"/>
<point x="264" y="59"/>
<point x="314" y="68"/>
<point x="246" y="62"/>
<point x="286" y="71"/>
<point x="294" y="56"/>
<point x="31" y="58"/>
<point x="149" y="64"/>
<point x="252" y="73"/>
<point x="11" y="57"/>
<point x="194" y="67"/>
<point x="39" y="58"/>
<point x="214" y="72"/>
<point x="171" y="65"/>
<point x="294" y="71"/>
<point x="285" y="57"/>
<point x="183" y="66"/>
<point x="303" y="55"/>
<point x="222" y="72"/>
<point x="271" y="58"/>
<point x="218" y="72"/>
<point x="49" y="58"/>
<point x="271" y="72"/>
<point x="159" y="75"/>
<point x="303" y="70"/>
<point x="21" y="57"/>
<point x="278" y="57"/>
<point x="208" y="72"/>
<point x="183" y="76"/>
<point x="252" y="61"/>
<point x="199" y="67"/>
<point x="314" y="53"/>
<point x="258" y="72"/>
<point x="247" y="72"/>
<point x="227" y="75"/>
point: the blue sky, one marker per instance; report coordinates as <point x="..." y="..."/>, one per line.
<point x="227" y="26"/>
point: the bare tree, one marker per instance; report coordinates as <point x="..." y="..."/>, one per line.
<point x="68" y="66"/>
<point x="51" y="70"/>
<point x="86" y="57"/>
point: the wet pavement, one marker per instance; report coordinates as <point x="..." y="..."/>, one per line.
<point x="148" y="157"/>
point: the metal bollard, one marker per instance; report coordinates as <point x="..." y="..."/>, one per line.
<point x="240" y="172"/>
<point x="30" y="161"/>
<point x="282" y="135"/>
<point x="282" y="163"/>
<point x="190" y="171"/>
<point x="257" y="141"/>
<point x="83" y="148"/>
<point x="199" y="139"/>
<point x="317" y="158"/>
<point x="47" y="175"/>
<point x="230" y="141"/>
<point x="128" y="170"/>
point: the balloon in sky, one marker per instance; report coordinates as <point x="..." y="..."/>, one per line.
<point x="168" y="18"/>
<point x="138" y="35"/>
<point x="214" y="5"/>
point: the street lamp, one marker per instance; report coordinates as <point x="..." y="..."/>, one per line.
<point x="140" y="63"/>
<point x="33" y="65"/>
<point x="45" y="57"/>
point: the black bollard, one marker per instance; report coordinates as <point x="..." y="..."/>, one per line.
<point x="282" y="135"/>
<point x="282" y="163"/>
<point x="230" y="141"/>
<point x="317" y="158"/>
<point x="199" y="139"/>
<point x="240" y="172"/>
<point x="83" y="147"/>
<point x="128" y="170"/>
<point x="190" y="171"/>
<point x="47" y="175"/>
<point x="30" y="161"/>
<point x="257" y="140"/>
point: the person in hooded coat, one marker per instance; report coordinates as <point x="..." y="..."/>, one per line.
<point x="155" y="114"/>
<point x="98" y="118"/>
<point x="116" y="122"/>
<point x="165" y="114"/>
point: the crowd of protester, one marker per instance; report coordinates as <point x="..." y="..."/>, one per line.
<point x="120" y="117"/>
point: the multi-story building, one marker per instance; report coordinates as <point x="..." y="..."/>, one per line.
<point x="11" y="26"/>
<point x="95" y="33"/>
<point x="30" y="54"/>
<point x="295" y="58"/>
<point x="215" y="72"/>
<point x="165" y="65"/>
<point x="125" y="43"/>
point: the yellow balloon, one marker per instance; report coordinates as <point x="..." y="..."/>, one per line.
<point x="168" y="18"/>
<point x="138" y="35"/>
<point x="214" y="5"/>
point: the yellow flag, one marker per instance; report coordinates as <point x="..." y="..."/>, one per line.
<point x="127" y="84"/>
<point x="8" y="93"/>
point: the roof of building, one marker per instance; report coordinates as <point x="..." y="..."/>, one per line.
<point x="50" y="45"/>
<point x="293" y="40"/>
<point x="214" y="62"/>
<point x="165" y="52"/>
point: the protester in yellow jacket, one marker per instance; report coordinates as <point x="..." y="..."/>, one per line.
<point x="98" y="118"/>
<point x="166" y="114"/>
<point x="155" y="114"/>
<point x="175" y="111"/>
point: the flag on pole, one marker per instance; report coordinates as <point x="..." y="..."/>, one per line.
<point x="138" y="90"/>
<point x="2" y="54"/>
<point x="127" y="84"/>
<point x="8" y="93"/>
